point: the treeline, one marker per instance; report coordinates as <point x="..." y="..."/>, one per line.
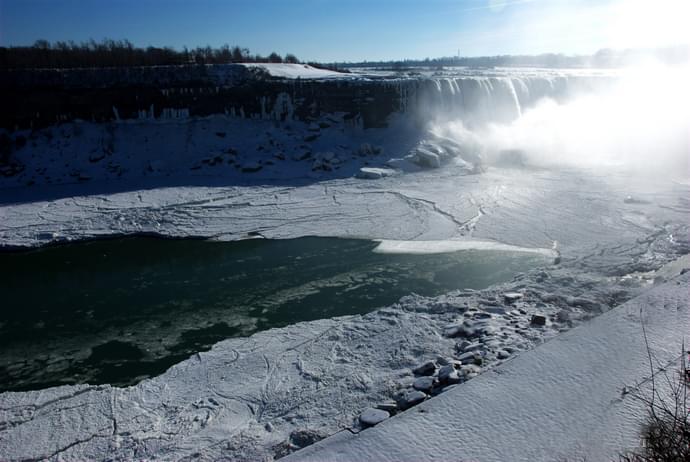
<point x="544" y="60"/>
<point x="602" y="58"/>
<point x="122" y="53"/>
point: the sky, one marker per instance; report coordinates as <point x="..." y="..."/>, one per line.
<point x="357" y="30"/>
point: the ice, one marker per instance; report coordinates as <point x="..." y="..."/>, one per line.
<point x="231" y="177"/>
<point x="298" y="71"/>
<point x="445" y="246"/>
<point x="562" y="400"/>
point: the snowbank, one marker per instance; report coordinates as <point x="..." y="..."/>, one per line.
<point x="299" y="71"/>
<point x="564" y="400"/>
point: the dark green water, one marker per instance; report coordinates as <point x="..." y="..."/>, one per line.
<point x="118" y="311"/>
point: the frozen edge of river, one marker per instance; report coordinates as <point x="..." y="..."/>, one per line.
<point x="256" y="398"/>
<point x="563" y="400"/>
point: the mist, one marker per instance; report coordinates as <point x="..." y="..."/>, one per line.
<point x="641" y="122"/>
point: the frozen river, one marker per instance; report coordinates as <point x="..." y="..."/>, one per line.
<point x="117" y="311"/>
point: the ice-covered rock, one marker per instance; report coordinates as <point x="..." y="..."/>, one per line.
<point x="473" y="347"/>
<point x="373" y="173"/>
<point x="412" y="398"/>
<point x="424" y="384"/>
<point x="428" y="368"/>
<point x="502" y="354"/>
<point x="448" y="374"/>
<point x="388" y="406"/>
<point x="425" y="158"/>
<point x="453" y="331"/>
<point x="512" y="297"/>
<point x="372" y="416"/>
<point x="467" y="357"/>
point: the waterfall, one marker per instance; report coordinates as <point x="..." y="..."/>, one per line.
<point x="482" y="100"/>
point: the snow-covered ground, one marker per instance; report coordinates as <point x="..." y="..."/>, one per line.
<point x="298" y="71"/>
<point x="609" y="228"/>
<point x="264" y="396"/>
<point x="575" y="398"/>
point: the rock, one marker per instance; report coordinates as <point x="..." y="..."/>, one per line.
<point x="96" y="157"/>
<point x="444" y="361"/>
<point x="304" y="438"/>
<point x="466" y="330"/>
<point x="448" y="374"/>
<point x="563" y="316"/>
<point x="473" y="347"/>
<point x="467" y="357"/>
<point x="371" y="173"/>
<point x="425" y="158"/>
<point x="304" y="156"/>
<point x="495" y="310"/>
<point x="424" y="384"/>
<point x="462" y="345"/>
<point x="538" y="320"/>
<point x="372" y="416"/>
<point x="388" y="406"/>
<point x="414" y="397"/>
<point x="365" y="149"/>
<point x="512" y="297"/>
<point x="428" y="368"/>
<point x="487" y="330"/>
<point x="470" y="370"/>
<point x="251" y="167"/>
<point x="503" y="354"/>
<point x="452" y="331"/>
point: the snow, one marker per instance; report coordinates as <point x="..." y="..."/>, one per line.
<point x="563" y="400"/>
<point x="431" y="247"/>
<point x="298" y="71"/>
<point x="227" y="178"/>
<point x="246" y="396"/>
<point x="373" y="173"/>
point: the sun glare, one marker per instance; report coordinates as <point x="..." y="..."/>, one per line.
<point x="640" y="23"/>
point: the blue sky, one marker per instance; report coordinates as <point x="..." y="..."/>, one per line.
<point x="353" y="30"/>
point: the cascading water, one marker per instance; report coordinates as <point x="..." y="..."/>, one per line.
<point x="632" y="119"/>
<point x="477" y="101"/>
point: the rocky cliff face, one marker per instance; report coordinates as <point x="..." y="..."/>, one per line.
<point x="39" y="98"/>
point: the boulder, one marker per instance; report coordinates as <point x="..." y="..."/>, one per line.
<point x="428" y="368"/>
<point x="538" y="320"/>
<point x="372" y="416"/>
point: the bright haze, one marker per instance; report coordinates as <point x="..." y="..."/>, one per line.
<point x="356" y="30"/>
